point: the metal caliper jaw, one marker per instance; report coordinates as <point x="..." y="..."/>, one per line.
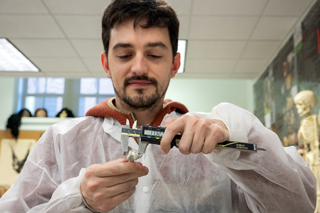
<point x="125" y="141"/>
<point x="142" y="147"/>
<point x="129" y="154"/>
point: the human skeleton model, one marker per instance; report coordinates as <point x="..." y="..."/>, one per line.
<point x="308" y="134"/>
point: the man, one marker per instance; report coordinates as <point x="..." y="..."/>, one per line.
<point x="140" y="41"/>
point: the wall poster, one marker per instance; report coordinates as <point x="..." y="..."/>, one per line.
<point x="12" y="158"/>
<point x="295" y="68"/>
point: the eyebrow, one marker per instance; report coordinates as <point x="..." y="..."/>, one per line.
<point x="150" y="44"/>
<point x="156" y="44"/>
<point x="122" y="45"/>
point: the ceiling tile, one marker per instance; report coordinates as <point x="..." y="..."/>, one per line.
<point x="22" y="74"/>
<point x="273" y="28"/>
<point x="182" y="7"/>
<point x="69" y="74"/>
<point x="29" y="26"/>
<point x="215" y="49"/>
<point x="229" y="7"/>
<point x="203" y="75"/>
<point x="250" y="66"/>
<point x="236" y="28"/>
<point x="88" y="47"/>
<point x="77" y="6"/>
<point x="94" y="64"/>
<point x="219" y="33"/>
<point x="80" y="26"/>
<point x="98" y="75"/>
<point x="210" y="66"/>
<point x="286" y="7"/>
<point x="260" y="49"/>
<point x="22" y="7"/>
<point x="243" y="76"/>
<point x="59" y="64"/>
<point x="45" y="47"/>
<point x="184" y="27"/>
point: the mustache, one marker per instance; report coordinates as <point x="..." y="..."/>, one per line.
<point x="141" y="78"/>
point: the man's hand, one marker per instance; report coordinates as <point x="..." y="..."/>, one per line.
<point x="198" y="134"/>
<point x="105" y="186"/>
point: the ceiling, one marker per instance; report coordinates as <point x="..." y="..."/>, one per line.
<point x="231" y="39"/>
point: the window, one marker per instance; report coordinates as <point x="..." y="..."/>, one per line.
<point x="53" y="94"/>
<point x="92" y="92"/>
<point x="41" y="93"/>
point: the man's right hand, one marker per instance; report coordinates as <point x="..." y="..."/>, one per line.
<point x="105" y="186"/>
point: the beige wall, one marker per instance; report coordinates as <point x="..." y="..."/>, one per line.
<point x="6" y="99"/>
<point x="203" y="94"/>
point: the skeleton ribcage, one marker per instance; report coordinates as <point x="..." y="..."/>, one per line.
<point x="309" y="131"/>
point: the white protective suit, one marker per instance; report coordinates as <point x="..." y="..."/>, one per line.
<point x="276" y="180"/>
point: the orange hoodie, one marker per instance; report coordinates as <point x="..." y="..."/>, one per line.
<point x="107" y="108"/>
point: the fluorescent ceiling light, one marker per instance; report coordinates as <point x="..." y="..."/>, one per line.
<point x="182" y="48"/>
<point x="11" y="59"/>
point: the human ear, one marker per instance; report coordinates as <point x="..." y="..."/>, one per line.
<point x="105" y="64"/>
<point x="175" y="65"/>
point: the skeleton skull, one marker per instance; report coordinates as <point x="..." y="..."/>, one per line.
<point x="305" y="101"/>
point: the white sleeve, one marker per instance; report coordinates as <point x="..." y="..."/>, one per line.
<point x="276" y="180"/>
<point x="38" y="187"/>
<point x="67" y="197"/>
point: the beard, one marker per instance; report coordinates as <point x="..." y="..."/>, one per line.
<point x="141" y="101"/>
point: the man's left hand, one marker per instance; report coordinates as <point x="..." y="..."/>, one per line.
<point x="199" y="134"/>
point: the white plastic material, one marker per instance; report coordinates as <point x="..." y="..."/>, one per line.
<point x="223" y="181"/>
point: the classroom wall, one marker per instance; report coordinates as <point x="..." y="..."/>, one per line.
<point x="294" y="68"/>
<point x="197" y="94"/>
<point x="6" y="100"/>
<point x="203" y="94"/>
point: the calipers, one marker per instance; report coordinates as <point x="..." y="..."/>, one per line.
<point x="153" y="135"/>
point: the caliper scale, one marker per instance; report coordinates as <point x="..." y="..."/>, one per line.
<point x="153" y="135"/>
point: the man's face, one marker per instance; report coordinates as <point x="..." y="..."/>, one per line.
<point x="140" y="63"/>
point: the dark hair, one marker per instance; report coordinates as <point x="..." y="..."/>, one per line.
<point x="68" y="111"/>
<point x="24" y="110"/>
<point x="13" y="123"/>
<point x="157" y="13"/>
<point x="39" y="110"/>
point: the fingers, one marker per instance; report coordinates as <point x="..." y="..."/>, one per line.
<point x="124" y="178"/>
<point x="196" y="130"/>
<point x="108" y="192"/>
<point x="186" y="142"/>
<point x="94" y="183"/>
<point x="208" y="146"/>
<point x="198" y="138"/>
<point x="117" y="167"/>
<point x="170" y="120"/>
<point x="116" y="183"/>
<point x="119" y="171"/>
<point x="173" y="127"/>
<point x="198" y="134"/>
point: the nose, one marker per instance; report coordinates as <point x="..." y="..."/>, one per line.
<point x="139" y="66"/>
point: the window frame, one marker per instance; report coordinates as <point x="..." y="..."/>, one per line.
<point x="71" y="96"/>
